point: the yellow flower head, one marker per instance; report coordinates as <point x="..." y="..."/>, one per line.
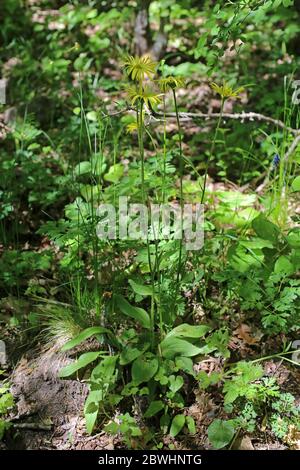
<point x="131" y="128"/>
<point x="138" y="68"/>
<point x="170" y="83"/>
<point x="149" y="97"/>
<point x="226" y="91"/>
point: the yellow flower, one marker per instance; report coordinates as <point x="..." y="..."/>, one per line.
<point x="138" y="68"/>
<point x="226" y="91"/>
<point x="132" y="127"/>
<point x="170" y="83"/>
<point x="146" y="94"/>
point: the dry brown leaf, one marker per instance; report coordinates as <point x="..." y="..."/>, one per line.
<point x="243" y="332"/>
<point x="243" y="443"/>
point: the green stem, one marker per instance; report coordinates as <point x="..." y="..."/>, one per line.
<point x="140" y="124"/>
<point x="212" y="149"/>
<point x="179" y="267"/>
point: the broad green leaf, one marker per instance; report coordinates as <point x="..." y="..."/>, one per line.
<point x="185" y="364"/>
<point x="115" y="173"/>
<point x="295" y="187"/>
<point x="283" y="266"/>
<point x="189" y="331"/>
<point x="102" y="377"/>
<point x="81" y="362"/>
<point x="154" y="408"/>
<point x="98" y="164"/>
<point x="191" y="187"/>
<point x="293" y="238"/>
<point x="177" y="424"/>
<point x="91" y="408"/>
<point x="140" y="289"/>
<point x="104" y="371"/>
<point x="164" y="423"/>
<point x="143" y="369"/>
<point x="173" y="346"/>
<point x="92" y="116"/>
<point x="241" y="259"/>
<point x="256" y="244"/>
<point x="77" y="210"/>
<point x="137" y="313"/>
<point x="85" y="334"/>
<point x="129" y="354"/>
<point x="190" y="424"/>
<point x="235" y="199"/>
<point x="90" y="192"/>
<point x="239" y="218"/>
<point x="82" y="168"/>
<point x="266" y="229"/>
<point x="175" y="383"/>
<point x="220" y="433"/>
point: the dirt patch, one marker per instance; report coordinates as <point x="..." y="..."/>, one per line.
<point x="51" y="407"/>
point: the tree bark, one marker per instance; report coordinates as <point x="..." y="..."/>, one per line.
<point x="142" y="36"/>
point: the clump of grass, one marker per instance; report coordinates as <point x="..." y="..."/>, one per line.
<point x="60" y="324"/>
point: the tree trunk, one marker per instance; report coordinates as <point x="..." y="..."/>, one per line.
<point x="142" y="37"/>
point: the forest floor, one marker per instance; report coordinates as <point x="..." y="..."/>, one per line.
<point x="49" y="411"/>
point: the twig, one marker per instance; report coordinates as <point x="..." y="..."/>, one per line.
<point x="251" y="116"/>
<point x="115" y="113"/>
<point x="292" y="148"/>
<point x="186" y="116"/>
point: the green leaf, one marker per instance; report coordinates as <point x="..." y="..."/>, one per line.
<point x="82" y="168"/>
<point x="283" y="266"/>
<point x="81" y="362"/>
<point x="103" y="373"/>
<point x="265" y="229"/>
<point x="293" y="238"/>
<point x="173" y="346"/>
<point x="185" y="364"/>
<point x="242" y="260"/>
<point x="189" y="331"/>
<point x="115" y="173"/>
<point x="235" y="199"/>
<point x="91" y="409"/>
<point x="90" y="192"/>
<point x="85" y="334"/>
<point x="164" y="423"/>
<point x="220" y="433"/>
<point x="102" y="377"/>
<point x="177" y="424"/>
<point x="137" y="313"/>
<point x="190" y="422"/>
<point x="295" y="187"/>
<point x="140" y="289"/>
<point x="129" y="354"/>
<point x="143" y="369"/>
<point x="98" y="164"/>
<point x="154" y="408"/>
<point x="256" y="244"/>
<point x="175" y="383"/>
<point x="92" y="116"/>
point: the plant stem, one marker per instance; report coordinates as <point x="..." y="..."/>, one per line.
<point x="181" y="194"/>
<point x="212" y="149"/>
<point x="140" y="125"/>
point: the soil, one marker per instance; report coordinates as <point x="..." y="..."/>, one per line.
<point x="49" y="411"/>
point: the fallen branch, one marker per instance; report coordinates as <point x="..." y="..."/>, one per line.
<point x="186" y="116"/>
<point x="237" y="116"/>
